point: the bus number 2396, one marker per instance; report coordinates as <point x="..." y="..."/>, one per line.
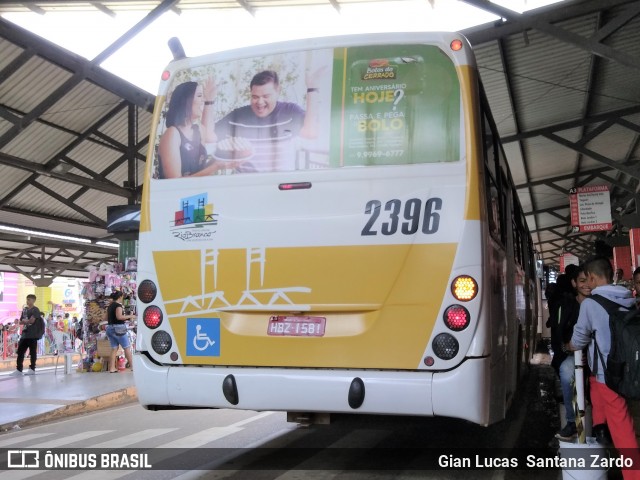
<point x="414" y="216"/>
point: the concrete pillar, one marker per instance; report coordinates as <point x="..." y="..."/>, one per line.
<point x="622" y="259"/>
<point x="634" y="237"/>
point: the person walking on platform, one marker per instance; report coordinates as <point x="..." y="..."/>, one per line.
<point x="608" y="407"/>
<point x="32" y="330"/>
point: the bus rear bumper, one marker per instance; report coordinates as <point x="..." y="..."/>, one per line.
<point x="308" y="390"/>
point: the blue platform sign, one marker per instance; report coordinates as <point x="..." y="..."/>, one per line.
<point x="203" y="337"/>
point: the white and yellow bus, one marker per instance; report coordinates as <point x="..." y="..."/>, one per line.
<point x="345" y="238"/>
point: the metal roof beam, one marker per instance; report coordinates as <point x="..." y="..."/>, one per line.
<point x="30" y="213"/>
<point x="617" y="183"/>
<point x="14" y="115"/>
<point x="87" y="134"/>
<point x="110" y="169"/>
<point x="587" y="137"/>
<point x="103" y="9"/>
<point x="133" y="31"/>
<point x="132" y="162"/>
<point x="47" y="264"/>
<point x="41" y="108"/>
<point x="34" y="8"/>
<point x="15" y="64"/>
<point x="120" y="147"/>
<point x="546" y="210"/>
<point x="75" y="63"/>
<point x="7" y="115"/>
<point x="516" y="120"/>
<point x="70" y="204"/>
<point x="556" y="187"/>
<point x="590" y="174"/>
<point x="632" y="172"/>
<point x="40" y="169"/>
<point x="550" y="14"/>
<point x="616" y="114"/>
<point x="589" y="44"/>
<point x="25" y="239"/>
<point x="564" y="218"/>
<point x="628" y="124"/>
<point x="617" y="23"/>
<point x="244" y="4"/>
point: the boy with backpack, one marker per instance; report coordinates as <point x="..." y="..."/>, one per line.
<point x="32" y="331"/>
<point x="608" y="407"/>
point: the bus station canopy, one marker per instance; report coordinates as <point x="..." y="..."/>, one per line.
<point x="562" y="83"/>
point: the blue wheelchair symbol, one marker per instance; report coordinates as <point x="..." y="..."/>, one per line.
<point x="203" y="337"/>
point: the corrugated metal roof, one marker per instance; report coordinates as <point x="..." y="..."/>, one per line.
<point x="83" y="106"/>
<point x="494" y="81"/>
<point x="617" y="85"/>
<point x="9" y="52"/>
<point x="38" y="143"/>
<point x="67" y="227"/>
<point x="613" y="142"/>
<point x="10" y="178"/>
<point x="94" y="156"/>
<point x="549" y="77"/>
<point x="46" y="204"/>
<point x="31" y="84"/>
<point x="97" y="202"/>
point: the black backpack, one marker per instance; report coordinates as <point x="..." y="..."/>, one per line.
<point x="38" y="327"/>
<point x="622" y="371"/>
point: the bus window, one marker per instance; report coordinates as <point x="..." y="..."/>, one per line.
<point x="310" y="110"/>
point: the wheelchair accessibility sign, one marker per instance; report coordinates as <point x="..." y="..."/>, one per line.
<point x="203" y="337"/>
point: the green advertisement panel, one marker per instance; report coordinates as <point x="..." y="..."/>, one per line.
<point x="394" y="105"/>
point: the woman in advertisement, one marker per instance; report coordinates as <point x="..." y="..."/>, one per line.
<point x="190" y="122"/>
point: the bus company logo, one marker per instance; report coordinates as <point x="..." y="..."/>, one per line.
<point x="194" y="220"/>
<point x="379" y="69"/>
<point x="23" y="459"/>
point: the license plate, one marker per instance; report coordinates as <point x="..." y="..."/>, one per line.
<point x="284" y="326"/>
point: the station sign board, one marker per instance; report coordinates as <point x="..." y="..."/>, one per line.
<point x="590" y="209"/>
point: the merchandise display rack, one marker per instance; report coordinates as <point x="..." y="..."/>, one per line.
<point x="103" y="281"/>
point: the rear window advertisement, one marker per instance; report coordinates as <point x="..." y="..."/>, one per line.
<point x="331" y="108"/>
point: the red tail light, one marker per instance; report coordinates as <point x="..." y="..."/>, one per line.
<point x="456" y="317"/>
<point x="152" y="317"/>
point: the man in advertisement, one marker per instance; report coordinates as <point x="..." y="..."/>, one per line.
<point x="269" y="125"/>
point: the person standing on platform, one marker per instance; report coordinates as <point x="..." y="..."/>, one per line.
<point x="564" y="363"/>
<point x="608" y="407"/>
<point x="31" y="333"/>
<point x="117" y="330"/>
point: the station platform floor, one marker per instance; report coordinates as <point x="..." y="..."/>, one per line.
<point x="51" y="393"/>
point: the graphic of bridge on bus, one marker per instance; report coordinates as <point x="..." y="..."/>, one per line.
<point x="195" y="211"/>
<point x="275" y="299"/>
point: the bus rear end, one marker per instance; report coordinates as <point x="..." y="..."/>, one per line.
<point x="345" y="278"/>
